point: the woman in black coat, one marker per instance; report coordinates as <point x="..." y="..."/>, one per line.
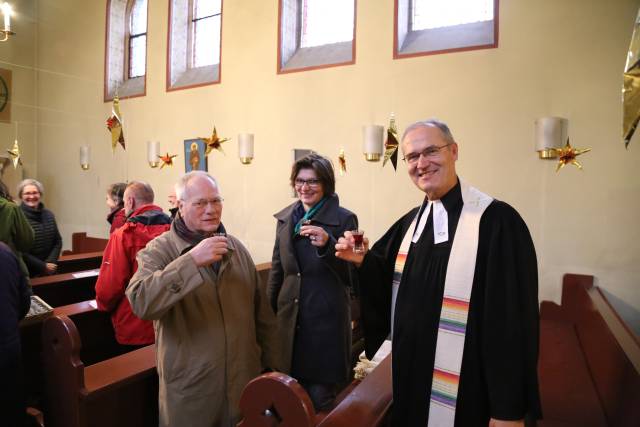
<point x="42" y="258"/>
<point x="308" y="287"/>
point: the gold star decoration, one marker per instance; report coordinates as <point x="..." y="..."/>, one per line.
<point x="342" y="162"/>
<point x="214" y="143"/>
<point x="568" y="154"/>
<point x="391" y="144"/>
<point x="15" y="154"/>
<point x="114" y="125"/>
<point x="631" y="86"/>
<point x="167" y="159"/>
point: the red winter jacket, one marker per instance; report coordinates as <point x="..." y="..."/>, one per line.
<point x="119" y="264"/>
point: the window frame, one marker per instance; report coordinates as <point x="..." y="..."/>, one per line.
<point x="398" y="54"/>
<point x="128" y="87"/>
<point x="169" y="86"/>
<point x="128" y="39"/>
<point x="283" y="69"/>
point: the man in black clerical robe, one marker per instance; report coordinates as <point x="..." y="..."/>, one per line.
<point x="498" y="383"/>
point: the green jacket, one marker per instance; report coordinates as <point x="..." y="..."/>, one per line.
<point x="15" y="230"/>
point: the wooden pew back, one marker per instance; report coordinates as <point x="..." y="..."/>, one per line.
<point x="81" y="243"/>
<point x="79" y="262"/>
<point x="121" y="391"/>
<point x="67" y="288"/>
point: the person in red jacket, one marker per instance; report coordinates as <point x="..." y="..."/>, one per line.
<point x="145" y="221"/>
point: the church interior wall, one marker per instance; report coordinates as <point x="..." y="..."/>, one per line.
<point x="553" y="59"/>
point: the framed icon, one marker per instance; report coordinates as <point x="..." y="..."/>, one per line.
<point x="195" y="158"/>
<point x="5" y="95"/>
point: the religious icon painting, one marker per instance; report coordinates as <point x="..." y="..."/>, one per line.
<point x="195" y="158"/>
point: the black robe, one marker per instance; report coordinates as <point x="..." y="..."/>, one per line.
<point x="498" y="377"/>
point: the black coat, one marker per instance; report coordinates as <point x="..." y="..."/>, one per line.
<point x="47" y="243"/>
<point x="308" y="288"/>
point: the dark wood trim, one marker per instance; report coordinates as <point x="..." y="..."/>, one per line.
<point x="168" y="87"/>
<point x="280" y="70"/>
<point x="397" y="55"/>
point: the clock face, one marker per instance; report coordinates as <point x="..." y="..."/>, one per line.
<point x="4" y="94"/>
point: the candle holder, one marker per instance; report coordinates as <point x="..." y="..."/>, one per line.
<point x="550" y="133"/>
<point x="153" y="153"/>
<point x="6" y="12"/>
<point x="245" y="148"/>
<point x="373" y="142"/>
<point x="85" y="157"/>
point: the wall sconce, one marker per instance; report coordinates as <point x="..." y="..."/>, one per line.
<point x="85" y="157"/>
<point x="551" y="132"/>
<point x="373" y="142"/>
<point x="6" y="12"/>
<point x="153" y="153"/>
<point x="245" y="148"/>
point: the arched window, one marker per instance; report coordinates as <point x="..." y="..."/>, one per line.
<point x="316" y="33"/>
<point x="126" y="49"/>
<point x="426" y="27"/>
<point x="195" y="28"/>
<point x="137" y="38"/>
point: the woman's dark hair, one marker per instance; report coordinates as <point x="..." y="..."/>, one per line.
<point x="4" y="191"/>
<point x="321" y="166"/>
<point x="116" y="192"/>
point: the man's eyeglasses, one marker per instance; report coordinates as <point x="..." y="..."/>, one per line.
<point x="202" y="203"/>
<point x="310" y="182"/>
<point x="430" y="152"/>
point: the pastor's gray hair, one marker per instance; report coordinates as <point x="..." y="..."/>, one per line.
<point x="30" y="181"/>
<point x="181" y="185"/>
<point x="446" y="132"/>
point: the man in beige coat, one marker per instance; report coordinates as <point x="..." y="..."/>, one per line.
<point x="214" y="328"/>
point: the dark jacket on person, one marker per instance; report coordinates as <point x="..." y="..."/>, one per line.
<point x="14" y="304"/>
<point x="116" y="218"/>
<point x="308" y="288"/>
<point x="15" y="230"/>
<point x="47" y="243"/>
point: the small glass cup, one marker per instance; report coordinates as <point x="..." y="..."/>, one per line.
<point x="358" y="241"/>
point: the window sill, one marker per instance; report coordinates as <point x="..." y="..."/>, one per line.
<point x="477" y="35"/>
<point x="195" y="77"/>
<point x="130" y="88"/>
<point x="329" y="55"/>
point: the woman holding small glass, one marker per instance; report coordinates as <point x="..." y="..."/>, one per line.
<point x="308" y="287"/>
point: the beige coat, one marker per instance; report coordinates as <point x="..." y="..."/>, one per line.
<point x="213" y="334"/>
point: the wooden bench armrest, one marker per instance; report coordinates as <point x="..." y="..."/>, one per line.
<point x="112" y="373"/>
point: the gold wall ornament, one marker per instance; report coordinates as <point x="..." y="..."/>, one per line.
<point x="16" y="158"/>
<point x="391" y="145"/>
<point x="567" y="155"/>
<point x="631" y="86"/>
<point x="167" y="159"/>
<point x="114" y="125"/>
<point x="214" y="143"/>
<point x="342" y="162"/>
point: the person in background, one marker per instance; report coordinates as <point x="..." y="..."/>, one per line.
<point x="214" y="328"/>
<point x="15" y="230"/>
<point x="145" y="222"/>
<point x="42" y="258"/>
<point x="173" y="202"/>
<point x="308" y="287"/>
<point x="14" y="305"/>
<point x="116" y="216"/>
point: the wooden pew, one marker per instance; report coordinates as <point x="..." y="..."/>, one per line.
<point x="121" y="391"/>
<point x="79" y="262"/>
<point x="363" y="404"/>
<point x="95" y="330"/>
<point x="67" y="288"/>
<point x="589" y="365"/>
<point x="81" y="243"/>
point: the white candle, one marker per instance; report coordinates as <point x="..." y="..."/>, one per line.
<point x="6" y="11"/>
<point x="153" y="151"/>
<point x="551" y="132"/>
<point x="85" y="156"/>
<point x="245" y="145"/>
<point x="373" y="139"/>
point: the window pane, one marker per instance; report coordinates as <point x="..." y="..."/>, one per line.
<point x="206" y="41"/>
<point x="444" y="13"/>
<point x="206" y="8"/>
<point x="137" y="56"/>
<point x="139" y="17"/>
<point x="326" y="21"/>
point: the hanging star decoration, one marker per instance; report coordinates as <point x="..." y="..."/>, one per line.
<point x="214" y="143"/>
<point x="15" y="154"/>
<point x="167" y="159"/>
<point x="342" y="162"/>
<point x="391" y="144"/>
<point x="631" y="86"/>
<point x="567" y="155"/>
<point x="114" y="125"/>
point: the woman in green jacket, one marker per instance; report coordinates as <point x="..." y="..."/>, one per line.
<point x="15" y="230"/>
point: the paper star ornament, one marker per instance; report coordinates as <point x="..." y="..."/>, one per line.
<point x="391" y="144"/>
<point x="631" y="86"/>
<point x="342" y="162"/>
<point x="167" y="159"/>
<point x="567" y="155"/>
<point x="114" y="125"/>
<point x="214" y="143"/>
<point x="15" y="154"/>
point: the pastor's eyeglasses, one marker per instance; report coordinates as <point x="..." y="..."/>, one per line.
<point x="430" y="152"/>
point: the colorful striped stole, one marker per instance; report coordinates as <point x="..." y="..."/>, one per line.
<point x="455" y="302"/>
